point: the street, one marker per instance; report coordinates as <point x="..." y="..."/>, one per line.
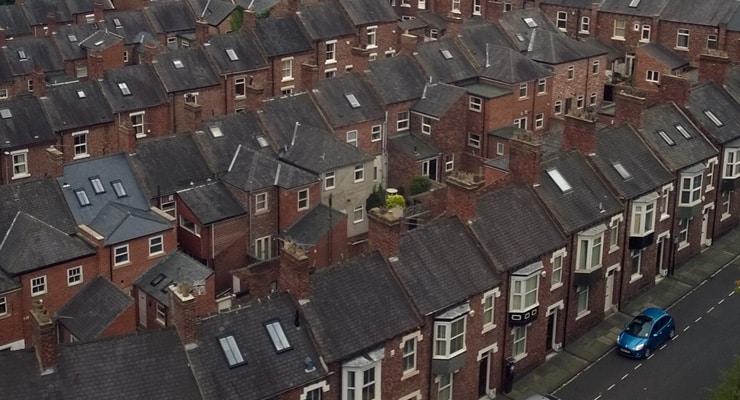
<point x="687" y="367"/>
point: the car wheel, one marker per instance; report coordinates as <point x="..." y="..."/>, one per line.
<point x="647" y="352"/>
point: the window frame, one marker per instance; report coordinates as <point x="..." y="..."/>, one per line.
<point x="645" y="33"/>
<point x="542" y="86"/>
<point x="731" y="167"/>
<point x="520" y="300"/>
<point x="445" y="386"/>
<point x="488" y="305"/>
<point x="138" y="123"/>
<point x="474" y="140"/>
<point x="561" y="21"/>
<point x="156" y="245"/>
<point x="475" y="103"/>
<point x="682" y="35"/>
<point x="523" y="90"/>
<point x="376" y="133"/>
<point x="358" y="375"/>
<point x="582" y="302"/>
<point x="330" y="52"/>
<point x="3" y="306"/>
<point x="74" y="275"/>
<point x="585" y="25"/>
<point x="426" y="125"/>
<point x="359" y="173"/>
<point x="240" y="87"/>
<point x="539" y="121"/>
<point x="652" y="76"/>
<point x="371" y="34"/>
<point x="261" y="204"/>
<point x="691" y="185"/>
<point x="303" y="199"/>
<point x="160" y="314"/>
<point x="590" y="251"/>
<point x="620" y="28"/>
<point x="643" y="218"/>
<point x="79" y="144"/>
<point x="189" y="226"/>
<point x="286" y="69"/>
<point x="449" y="336"/>
<point x="556" y="276"/>
<point x="19" y="159"/>
<point x="352" y="137"/>
<point x="330" y="180"/>
<point x="519" y="341"/>
<point x="358" y="214"/>
<point x="402" y="121"/>
<point x="121" y="255"/>
<point x="263" y="247"/>
<point x="38" y="285"/>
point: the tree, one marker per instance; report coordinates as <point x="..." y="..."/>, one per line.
<point x="729" y="387"/>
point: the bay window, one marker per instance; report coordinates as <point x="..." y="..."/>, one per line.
<point x="643" y="216"/>
<point x="361" y="377"/>
<point x="524" y="292"/>
<point x="590" y="244"/>
<point x="690" y="188"/>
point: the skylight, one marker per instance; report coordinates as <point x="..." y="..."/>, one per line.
<point x="275" y="330"/>
<point x="97" y="185"/>
<point x="22" y="54"/>
<point x="559" y="180"/>
<point x="666" y="137"/>
<point x="446" y="54"/>
<point x="683" y="131"/>
<point x="530" y="22"/>
<point x="262" y="141"/>
<point x="82" y="197"/>
<point x="124" y="89"/>
<point x="99" y="42"/>
<point x="178" y="64"/>
<point x="232" y="54"/>
<point x="5" y="113"/>
<point x="519" y="37"/>
<point x="621" y="170"/>
<point x="118" y="188"/>
<point x="215" y="131"/>
<point x="158" y="279"/>
<point x="72" y="37"/>
<point x="352" y="100"/>
<point x="634" y="3"/>
<point x="713" y="118"/>
<point x="117" y="22"/>
<point x="81" y="94"/>
<point x="231" y="351"/>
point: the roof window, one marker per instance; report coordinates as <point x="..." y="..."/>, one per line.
<point x="530" y="22"/>
<point x="178" y="64"/>
<point x="622" y="170"/>
<point x="5" y="113"/>
<point x="232" y="54"/>
<point x="124" y="89"/>
<point x="119" y="189"/>
<point x="352" y="100"/>
<point x="683" y="131"/>
<point x="82" y="197"/>
<point x="713" y="118"/>
<point x="666" y="137"/>
<point x="446" y="54"/>
<point x="559" y="180"/>
<point x="97" y="185"/>
<point x="231" y="351"/>
<point x="277" y="335"/>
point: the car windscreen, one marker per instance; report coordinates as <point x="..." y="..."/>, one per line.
<point x="639" y="327"/>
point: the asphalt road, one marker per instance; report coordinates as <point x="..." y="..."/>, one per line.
<point x="687" y="367"/>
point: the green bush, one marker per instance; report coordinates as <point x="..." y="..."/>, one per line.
<point x="729" y="387"/>
<point x="419" y="184"/>
<point x="394" y="200"/>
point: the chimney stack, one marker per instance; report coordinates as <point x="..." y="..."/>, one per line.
<point x="43" y="333"/>
<point x="525" y="157"/>
<point x="249" y="19"/>
<point x="579" y="132"/>
<point x="38" y="77"/>
<point x="294" y="270"/>
<point x="714" y="67"/>
<point x="675" y="88"/>
<point x="182" y="305"/>
<point x="629" y="108"/>
<point x="201" y="31"/>
<point x="3" y="37"/>
<point x="51" y="22"/>
<point x="98" y="10"/>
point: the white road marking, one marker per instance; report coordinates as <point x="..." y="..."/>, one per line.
<point x="698" y="319"/>
<point x="710" y="309"/>
<point x="597" y="397"/>
<point x="611" y="387"/>
<point x="674" y="337"/>
<point x="686" y="328"/>
<point x="625" y="376"/>
<point x="721" y="301"/>
<point x="638" y="366"/>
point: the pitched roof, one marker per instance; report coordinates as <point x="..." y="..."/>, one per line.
<point x="555" y="48"/>
<point x="396" y="79"/>
<point x="8" y="284"/>
<point x="101" y="39"/>
<point x="477" y="37"/>
<point x="441" y="265"/>
<point x="185" y="69"/>
<point x="347" y="100"/>
<point x="586" y="199"/>
<point x="132" y="88"/>
<point x="318" y="151"/>
<point x="13" y="20"/>
<point x="20" y="378"/>
<point x="572" y="3"/>
<point x="170" y="16"/>
<point x="281" y="36"/>
<point x="211" y="203"/>
<point x="669" y="58"/>
<point x="41" y="198"/>
<point x="362" y="285"/>
<point x="508" y="66"/>
<point x="647" y="8"/>
<point x="176" y="267"/>
<point x="213" y="11"/>
<point x="414" y="145"/>
<point x="315" y="225"/>
<point x="69" y="37"/>
<point x="708" y="99"/>
<point x="369" y="11"/>
<point x="520" y="26"/>
<point x="37" y="11"/>
<point x="30" y="244"/>
<point x="23" y="123"/>
<point x="732" y="82"/>
<point x="127" y="23"/>
<point x="76" y="105"/>
<point x="711" y="12"/>
<point x="325" y="21"/>
<point x="86" y="6"/>
<point x="437" y="99"/>
<point x="26" y="53"/>
<point x="514" y="228"/>
<point x="443" y="60"/>
<point x="119" y="223"/>
<point x="281" y="114"/>
<point x="236" y="52"/>
<point x="621" y="146"/>
<point x="247" y="326"/>
<point x="256" y="171"/>
<point x="683" y="152"/>
<point x="93" y="309"/>
<point x="161" y="167"/>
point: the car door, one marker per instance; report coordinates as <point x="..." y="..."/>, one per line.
<point x="659" y="331"/>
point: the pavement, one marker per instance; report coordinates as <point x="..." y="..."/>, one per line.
<point x="564" y="365"/>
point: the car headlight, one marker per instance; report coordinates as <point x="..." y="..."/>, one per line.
<point x="639" y="346"/>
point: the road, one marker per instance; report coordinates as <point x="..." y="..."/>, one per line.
<point x="687" y="367"/>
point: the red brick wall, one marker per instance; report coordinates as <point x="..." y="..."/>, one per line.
<point x="124" y="324"/>
<point x="297" y="83"/>
<point x="101" y="140"/>
<point x="40" y="163"/>
<point x="394" y="384"/>
<point x="605" y="30"/>
<point x="697" y="39"/>
<point x="139" y="259"/>
<point x="364" y="130"/>
<point x="11" y="324"/>
<point x="188" y="117"/>
<point x="255" y="91"/>
<point x="573" y="22"/>
<point x="585" y="83"/>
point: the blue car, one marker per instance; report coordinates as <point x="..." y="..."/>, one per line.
<point x="645" y="333"/>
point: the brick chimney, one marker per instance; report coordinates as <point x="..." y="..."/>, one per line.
<point x="182" y="307"/>
<point x="98" y="10"/>
<point x="384" y="231"/>
<point x="408" y="43"/>
<point x="579" y="132"/>
<point x="525" y="157"/>
<point x="43" y="333"/>
<point x="629" y="108"/>
<point x="95" y="64"/>
<point x="294" y="270"/>
<point x="713" y="67"/>
<point x="201" y="31"/>
<point x="51" y="22"/>
<point x="39" y="81"/>
<point x="249" y="19"/>
<point x="675" y="88"/>
<point x="150" y="52"/>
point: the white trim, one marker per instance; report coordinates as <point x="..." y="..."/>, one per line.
<point x="493" y="348"/>
<point x="320" y="385"/>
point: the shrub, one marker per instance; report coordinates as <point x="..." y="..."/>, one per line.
<point x="419" y="184"/>
<point x="394" y="200"/>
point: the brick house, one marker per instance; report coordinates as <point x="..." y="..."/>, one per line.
<point x="653" y="61"/>
<point x="575" y="18"/>
<point x="132" y="25"/>
<point x="33" y="64"/>
<point x="43" y="16"/>
<point x="332" y="36"/>
<point x="86" y="12"/>
<point x="375" y="24"/>
<point x="173" y="23"/>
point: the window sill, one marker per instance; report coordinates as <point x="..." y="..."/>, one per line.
<point x="682" y="246"/>
<point x="488" y="328"/>
<point x="140" y="135"/>
<point x="620" y="38"/>
<point x="520" y="357"/>
<point x="20" y="176"/>
<point x="81" y="156"/>
<point x="409" y="374"/>
<point x="681" y="48"/>
<point x="5" y="315"/>
<point x="291" y="79"/>
<point x="260" y="212"/>
<point x="583" y="32"/>
<point x="161" y="323"/>
<point x="126" y="264"/>
<point x="664" y="217"/>
<point x="74" y="284"/>
<point x="634" y="278"/>
<point x="583" y="314"/>
<point x="613" y="249"/>
<point x="709" y="189"/>
<point x="358" y="222"/>
<point x="240" y="96"/>
<point x="724" y="217"/>
<point x="644" y="40"/>
<point x="556" y="286"/>
<point x="156" y="255"/>
<point x="38" y="294"/>
<point x="330" y="62"/>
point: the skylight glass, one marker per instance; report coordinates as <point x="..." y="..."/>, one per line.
<point x="519" y="37"/>
<point x="72" y="37"/>
<point x="277" y="335"/>
<point x="621" y="170"/>
<point x="683" y="131"/>
<point x="157" y="280"/>
<point x="446" y="54"/>
<point x="530" y="22"/>
<point x="124" y="89"/>
<point x="352" y="100"/>
<point x="117" y="22"/>
<point x="666" y="137"/>
<point x="713" y="118"/>
<point x="22" y="54"/>
<point x="232" y="54"/>
<point x="81" y="94"/>
<point x="215" y="131"/>
<point x="634" y="3"/>
<point x="231" y="351"/>
<point x="119" y="189"/>
<point x="5" y="113"/>
<point x="262" y="141"/>
<point x="559" y="180"/>
<point x="97" y="185"/>
<point x="82" y="197"/>
<point x="178" y="64"/>
<point x="98" y="43"/>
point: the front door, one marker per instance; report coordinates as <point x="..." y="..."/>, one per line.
<point x="608" y="300"/>
<point x="551" y="323"/>
<point x="484" y="371"/>
<point x="705" y="239"/>
<point x="142" y="309"/>
<point x="662" y="267"/>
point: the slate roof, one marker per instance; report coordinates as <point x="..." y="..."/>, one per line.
<point x="245" y="47"/>
<point x="30" y="244"/>
<point x="433" y="19"/>
<point x="170" y="16"/>
<point x="732" y="82"/>
<point x="318" y="151"/>
<point x="396" y="79"/>
<point x="413" y="145"/>
<point x="325" y="21"/>
<point x="521" y="33"/>
<point x="101" y="39"/>
<point x="281" y="114"/>
<point x="37" y="11"/>
<point x="8" y="284"/>
<point x="437" y="99"/>
<point x="86" y="6"/>
<point x="709" y="97"/>
<point x="259" y="6"/>
<point x="573" y="3"/>
<point x="14" y="21"/>
<point x="646" y="8"/>
<point x="431" y="56"/>
<point x="162" y="168"/>
<point x="119" y="223"/>
<point x="39" y="52"/>
<point x="76" y="105"/>
<point x="362" y="285"/>
<point x="83" y="376"/>
<point x="213" y="11"/>
<point x="314" y="226"/>
<point x="176" y="267"/>
<point x="514" y="228"/>
<point x="589" y="200"/>
<point x="369" y="11"/>
<point x="332" y="96"/>
<point x="42" y="198"/>
<point x="68" y="40"/>
<point x="664" y="55"/>
<point x="20" y="377"/>
<point x="509" y="66"/>
<point x="127" y="23"/>
<point x="711" y="12"/>
<point x="487" y="90"/>
<point x="621" y="145"/>
<point x="556" y="48"/>
<point x="144" y="88"/>
<point x="26" y="125"/>
<point x="476" y="37"/>
<point x="286" y="370"/>
<point x="685" y="152"/>
<point x="93" y="309"/>
<point x="211" y="203"/>
<point x="254" y="171"/>
<point x="282" y="36"/>
<point x="196" y="71"/>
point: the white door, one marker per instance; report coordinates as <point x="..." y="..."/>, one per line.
<point x="142" y="309"/>
<point x="705" y="240"/>
<point x="609" y="290"/>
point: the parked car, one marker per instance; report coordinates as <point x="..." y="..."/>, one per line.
<point x="542" y="396"/>
<point x="645" y="333"/>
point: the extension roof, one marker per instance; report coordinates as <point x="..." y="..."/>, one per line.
<point x="14" y="21"/>
<point x="282" y="36"/>
<point x="443" y="60"/>
<point x="437" y="99"/>
<point x="37" y="11"/>
<point x="315" y="225"/>
<point x="252" y="171"/>
<point x="24" y="54"/>
<point x="508" y="66"/>
<point x="128" y="23"/>
<point x="708" y="98"/>
<point x="555" y="48"/>
<point x="211" y="203"/>
<point x="712" y="12"/>
<point x="644" y="8"/>
<point x="144" y="89"/>
<point x="669" y="58"/>
<point x="280" y="116"/>
<point x="247" y="55"/>
<point x="213" y="11"/>
<point x="334" y="95"/>
<point x="413" y="145"/>
<point x="169" y="16"/>
<point x="396" y="79"/>
<point x="23" y="123"/>
<point x="176" y="267"/>
<point x="369" y="11"/>
<point x="318" y="151"/>
<point x="41" y="198"/>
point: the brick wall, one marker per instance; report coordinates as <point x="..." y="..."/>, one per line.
<point x="101" y="140"/>
<point x="364" y="135"/>
<point x="188" y="117"/>
<point x="11" y="324"/>
<point x="297" y="83"/>
<point x="631" y="39"/>
<point x="697" y="39"/>
<point x="40" y="163"/>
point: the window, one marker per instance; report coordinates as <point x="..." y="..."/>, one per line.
<point x="156" y="245"/>
<point x="331" y="52"/>
<point x="475" y="104"/>
<point x="585" y="25"/>
<point x="359" y="173"/>
<point x="582" y="292"/>
<point x="522" y="90"/>
<point x="277" y="336"/>
<point x="580" y="102"/>
<point x="559" y="180"/>
<point x="558" y="107"/>
<point x="449" y="337"/>
<point x="29" y="85"/>
<point x="191" y="98"/>
<point x="507" y="6"/>
<point x="530" y="22"/>
<point x="125" y="56"/>
<point x="614" y="236"/>
<point x="489" y="302"/>
<point x="520" y="341"/>
<point x="520" y="123"/>
<point x="476" y="7"/>
<point x="595" y="67"/>
<point x="38" y="285"/>
<point x="352" y="138"/>
<point x="20" y="163"/>
<point x="74" y="276"/>
<point x="592" y="99"/>
<point x="562" y="20"/>
<point x="330" y="73"/>
<point x="712" y="42"/>
<point x="303" y="200"/>
<point x="731" y="169"/>
<point x="120" y="255"/>
<point x="231" y="350"/>
<point x="666" y="138"/>
<point x="161" y="314"/>
<point x="425" y="168"/>
<point x="240" y="87"/>
<point x="287" y="68"/>
<point x="524" y="292"/>
<point x="571" y="72"/>
<point x="683" y="231"/>
<point x="456" y="6"/>
<point x="682" y="38"/>
<point x="3" y="93"/>
<point x="402" y="122"/>
<point x="643" y="218"/>
<point x="82" y="197"/>
<point x="3" y="306"/>
<point x="445" y="387"/>
<point x="542" y="86"/>
<point x="262" y="248"/>
<point x="690" y="189"/>
<point x="358" y="214"/>
<point x="712" y="117"/>
<point x="137" y="124"/>
<point x="408" y="345"/>
<point x="372" y="36"/>
<point x="232" y="55"/>
<point x="81" y="71"/>
<point x="361" y="383"/>
<point x="539" y="121"/>
<point x="652" y="76"/>
<point x="449" y="162"/>
<point x="315" y="391"/>
<point x="260" y="202"/>
<point x="619" y="28"/>
<point x="286" y="91"/>
<point x="726" y="211"/>
<point x="376" y="133"/>
<point x="636" y="258"/>
<point x="500" y="147"/>
<point x="665" y="201"/>
<point x="426" y="125"/>
<point x="589" y="250"/>
<point x="556" y="278"/>
<point x="189" y="226"/>
<point x="118" y="188"/>
<point x="171" y="42"/>
<point x="79" y="140"/>
<point x="645" y="33"/>
<point x="474" y="140"/>
<point x="97" y="185"/>
<point x="329" y="180"/>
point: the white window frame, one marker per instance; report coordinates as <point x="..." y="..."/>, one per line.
<point x="137" y="123"/>
<point x="725" y="199"/>
<point x="691" y="184"/>
<point x="620" y="27"/>
<point x="359" y="173"/>
<point x="303" y="199"/>
<point x="352" y="137"/>
<point x="558" y="108"/>
<point x="580" y="102"/>
<point x="38" y="285"/>
<point x="519" y="342"/>
<point x="524" y="296"/>
<point x="712" y="41"/>
<point x="556" y="276"/>
<point x="561" y="20"/>
<point x="571" y="72"/>
<point x="475" y="103"/>
<point x="331" y="52"/>
<point x="121" y="255"/>
<point x="322" y="387"/>
<point x="402" y="121"/>
<point x="455" y="8"/>
<point x="643" y="217"/>
<point x="410" y="353"/>
<point x="652" y="76"/>
<point x="156" y="245"/>
<point x="542" y="86"/>
<point x="330" y="180"/>
<point x="74" y="275"/>
<point x="359" y="373"/>
<point x="645" y="33"/>
<point x="665" y="200"/>
<point x="590" y="250"/>
<point x="539" y="121"/>
<point x="444" y="388"/>
<point x="286" y="69"/>
<point x="189" y="226"/>
<point x="635" y="264"/>
<point x="444" y="337"/>
<point x="521" y="123"/>
<point x="585" y="25"/>
<point x="79" y="143"/>
<point x="582" y="296"/>
<point x="3" y="306"/>
<point x="160" y="314"/>
<point x="19" y="159"/>
<point x="477" y="7"/>
<point x="710" y="174"/>
<point x="731" y="168"/>
<point x="449" y="162"/>
<point x="500" y="149"/>
<point x="488" y="304"/>
<point x="523" y="90"/>
<point x="474" y="140"/>
<point x="261" y="204"/>
<point x="595" y="67"/>
<point x="426" y="125"/>
<point x="682" y="34"/>
<point x="592" y="99"/>
<point x="372" y="36"/>
<point x="263" y="247"/>
<point x="358" y="214"/>
<point x="614" y="234"/>
<point x="240" y="87"/>
<point x="376" y="133"/>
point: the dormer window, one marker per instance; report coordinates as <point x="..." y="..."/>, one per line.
<point x="124" y="89"/>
